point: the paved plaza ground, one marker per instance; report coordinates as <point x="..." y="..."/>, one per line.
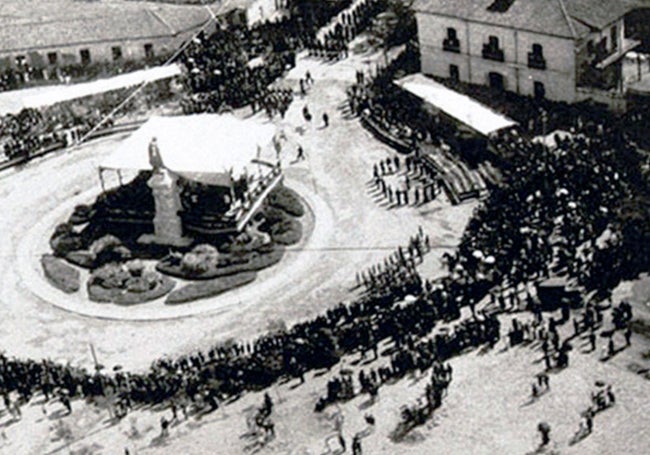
<point x="487" y="410"/>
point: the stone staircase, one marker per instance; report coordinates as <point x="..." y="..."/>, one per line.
<point x="460" y="182"/>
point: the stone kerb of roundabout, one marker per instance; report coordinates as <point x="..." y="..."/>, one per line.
<point x="317" y="226"/>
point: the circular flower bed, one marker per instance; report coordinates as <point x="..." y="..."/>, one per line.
<point x="113" y="254"/>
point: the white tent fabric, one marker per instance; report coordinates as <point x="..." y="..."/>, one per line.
<point x="461" y="107"/>
<point x="59" y="93"/>
<point x="195" y="144"/>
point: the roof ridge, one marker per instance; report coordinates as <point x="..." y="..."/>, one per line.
<point x="568" y="18"/>
<point x="160" y="19"/>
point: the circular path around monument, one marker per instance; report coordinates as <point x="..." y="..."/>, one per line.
<point x="317" y="223"/>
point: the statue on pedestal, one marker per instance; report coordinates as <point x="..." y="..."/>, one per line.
<point x="168" y="229"/>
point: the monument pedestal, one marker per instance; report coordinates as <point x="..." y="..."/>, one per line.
<point x="168" y="229"/>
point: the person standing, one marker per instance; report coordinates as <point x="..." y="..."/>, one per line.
<point x="356" y="445"/>
<point x="589" y="422"/>
<point x="628" y="336"/>
<point x="342" y="442"/>
<point x="545" y="432"/>
<point x="326" y="120"/>
<point x="164" y="427"/>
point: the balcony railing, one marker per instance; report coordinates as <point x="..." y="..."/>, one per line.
<point x="493" y="54"/>
<point x="604" y="59"/>
<point x="451" y="45"/>
<point x="536" y="61"/>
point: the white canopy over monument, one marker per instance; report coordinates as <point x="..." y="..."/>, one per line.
<point x="461" y="107"/>
<point x="208" y="146"/>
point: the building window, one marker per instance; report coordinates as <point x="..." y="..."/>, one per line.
<point x="539" y="90"/>
<point x="451" y="43"/>
<point x="496" y="81"/>
<point x="536" y="58"/>
<point x="117" y="53"/>
<point x="613" y="37"/>
<point x="491" y="50"/>
<point x="52" y="58"/>
<point x="454" y="74"/>
<point x="148" y="51"/>
<point x="85" y="56"/>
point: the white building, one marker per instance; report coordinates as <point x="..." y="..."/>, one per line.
<point x="563" y="50"/>
<point x="62" y="33"/>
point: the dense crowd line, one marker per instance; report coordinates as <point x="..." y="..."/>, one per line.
<point x="398" y="271"/>
<point x="205" y="379"/>
<point x="332" y="40"/>
<point x="62" y="124"/>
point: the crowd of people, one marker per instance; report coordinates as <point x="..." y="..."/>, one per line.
<point x="232" y="67"/>
<point x="397" y="273"/>
<point x="375" y="97"/>
<point x="60" y="125"/>
<point x="24" y="74"/>
<point x="273" y="101"/>
<point x="413" y="357"/>
<point x="562" y="210"/>
<point x="419" y="183"/>
<point x="235" y="65"/>
<point x="332" y="40"/>
<point x="205" y="379"/>
<point x="435" y="390"/>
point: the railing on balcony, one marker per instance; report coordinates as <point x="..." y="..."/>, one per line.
<point x="451" y="45"/>
<point x="490" y="53"/>
<point x="536" y="61"/>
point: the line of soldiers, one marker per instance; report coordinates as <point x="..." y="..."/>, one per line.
<point x="334" y="40"/>
<point x="397" y="270"/>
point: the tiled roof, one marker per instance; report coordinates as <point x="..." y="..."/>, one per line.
<point x="62" y="24"/>
<point x="600" y="13"/>
<point x="566" y="18"/>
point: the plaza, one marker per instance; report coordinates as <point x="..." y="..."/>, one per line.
<point x="375" y="287"/>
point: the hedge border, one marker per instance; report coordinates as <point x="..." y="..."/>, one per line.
<point x="60" y="274"/>
<point x="258" y="263"/>
<point x="99" y="294"/>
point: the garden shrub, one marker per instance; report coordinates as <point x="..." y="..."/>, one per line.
<point x="66" y="243"/>
<point x="200" y="260"/>
<point x="108" y="249"/>
<point x="127" y="284"/>
<point x="110" y="276"/>
<point x="107" y="241"/>
<point x="211" y="288"/>
<point x="287" y="200"/>
<point x="250" y="240"/>
<point x="82" y="214"/>
<point x="61" y="275"/>
<point x="287" y="232"/>
<point x="227" y="265"/>
<point x="272" y="215"/>
<point x="63" y="229"/>
<point x="82" y="258"/>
